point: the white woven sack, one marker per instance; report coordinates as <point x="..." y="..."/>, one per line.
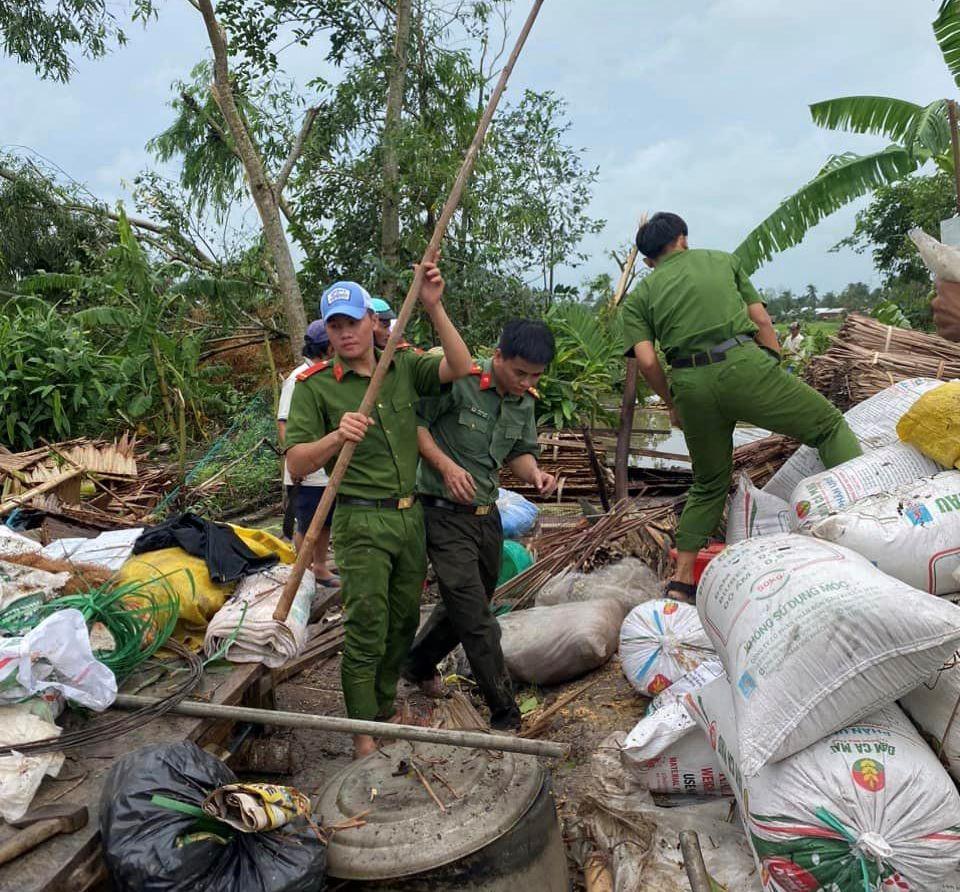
<point x="933" y="708"/>
<point x="665" y="752"/>
<point x="873" y="422"/>
<point x="911" y="533"/>
<point x="813" y="637"/>
<point x="866" y="475"/>
<point x="866" y="808"/>
<point x="660" y="641"/>
<point x="752" y="512"/>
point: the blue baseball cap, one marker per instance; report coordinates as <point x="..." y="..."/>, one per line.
<point x="345" y="299"/>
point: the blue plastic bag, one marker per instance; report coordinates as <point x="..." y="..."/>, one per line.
<point x="517" y="514"/>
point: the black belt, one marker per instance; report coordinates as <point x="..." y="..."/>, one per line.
<point x="717" y="353"/>
<point x="392" y="504"/>
<point x="479" y="510"/>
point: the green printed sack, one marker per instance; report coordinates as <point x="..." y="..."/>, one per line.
<point x="813" y="637"/>
<point x="866" y="808"/>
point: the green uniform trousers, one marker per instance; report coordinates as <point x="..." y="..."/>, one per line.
<point x="383" y="562"/>
<point x="749" y="386"/>
<point x="465" y="551"/>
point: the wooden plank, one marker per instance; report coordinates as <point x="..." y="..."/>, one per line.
<point x="50" y="866"/>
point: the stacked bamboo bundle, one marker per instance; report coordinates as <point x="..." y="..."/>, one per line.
<point x="564" y="454"/>
<point x="867" y="356"/>
<point x="625" y="530"/>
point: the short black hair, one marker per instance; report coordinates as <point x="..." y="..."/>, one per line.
<point x="660" y="230"/>
<point x="528" y="339"/>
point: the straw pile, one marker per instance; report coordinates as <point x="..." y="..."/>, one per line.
<point x="867" y="356"/>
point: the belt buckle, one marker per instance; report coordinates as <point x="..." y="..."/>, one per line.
<point x="404" y="503"/>
<point x="483" y="510"/>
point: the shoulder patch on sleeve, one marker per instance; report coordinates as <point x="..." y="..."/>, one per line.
<point x="534" y="392"/>
<point x="476" y="369"/>
<point x="319" y="367"/>
<point x="406" y="345"/>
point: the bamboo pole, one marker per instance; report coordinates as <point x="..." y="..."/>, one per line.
<point x="629" y="402"/>
<point x="693" y="862"/>
<point x="474" y="739"/>
<point x="369" y="398"/>
<point x="16" y="501"/>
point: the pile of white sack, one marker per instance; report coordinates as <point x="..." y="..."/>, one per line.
<point x="816" y="677"/>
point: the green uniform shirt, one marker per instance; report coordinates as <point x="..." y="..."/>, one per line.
<point x="479" y="430"/>
<point x="384" y="465"/>
<point x="692" y="301"/>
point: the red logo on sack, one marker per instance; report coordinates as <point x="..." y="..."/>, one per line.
<point x="660" y="683"/>
<point x="803" y="509"/>
<point x="869" y="775"/>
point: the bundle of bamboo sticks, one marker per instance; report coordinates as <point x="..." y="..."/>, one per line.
<point x="867" y="356"/>
<point x="625" y="530"/>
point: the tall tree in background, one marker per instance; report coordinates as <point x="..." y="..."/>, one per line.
<point x="266" y="194"/>
<point x="919" y="133"/>
<point x="390" y="206"/>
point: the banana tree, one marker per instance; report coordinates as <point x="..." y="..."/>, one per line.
<point x="918" y="133"/>
<point x="138" y="313"/>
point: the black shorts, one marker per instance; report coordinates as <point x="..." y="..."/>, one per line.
<point x="305" y="501"/>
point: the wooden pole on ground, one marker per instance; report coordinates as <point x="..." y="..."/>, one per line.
<point x="629" y="402"/>
<point x="369" y="398"/>
<point x="473" y="739"/>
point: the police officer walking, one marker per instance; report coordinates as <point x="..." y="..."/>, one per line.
<point x="485" y="421"/>
<point x="723" y="351"/>
<point x="378" y="526"/>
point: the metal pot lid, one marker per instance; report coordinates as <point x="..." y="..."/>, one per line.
<point x="406" y="832"/>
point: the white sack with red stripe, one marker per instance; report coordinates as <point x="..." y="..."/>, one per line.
<point x="869" y="807"/>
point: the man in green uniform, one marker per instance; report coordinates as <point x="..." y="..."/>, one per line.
<point x="485" y="421"/>
<point x="378" y="525"/>
<point x="714" y="331"/>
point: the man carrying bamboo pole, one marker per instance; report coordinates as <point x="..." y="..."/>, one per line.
<point x="723" y="351"/>
<point x="378" y="526"/>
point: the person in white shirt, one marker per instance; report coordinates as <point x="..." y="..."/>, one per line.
<point x="792" y="347"/>
<point x="304" y="495"/>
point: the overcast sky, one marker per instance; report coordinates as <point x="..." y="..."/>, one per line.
<point x="699" y="107"/>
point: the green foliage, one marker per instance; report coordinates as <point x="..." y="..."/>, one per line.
<point x="920" y="134"/>
<point x="588" y="366"/>
<point x="889" y="313"/>
<point x="54" y="382"/>
<point x="37" y="231"/>
<point x="895" y="209"/>
<point x="839" y="182"/>
<point x="43" y="34"/>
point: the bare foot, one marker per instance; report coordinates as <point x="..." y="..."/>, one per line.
<point x="363" y="745"/>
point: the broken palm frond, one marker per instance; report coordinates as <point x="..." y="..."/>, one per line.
<point x="128" y="619"/>
<point x="455" y="712"/>
<point x="625" y="530"/>
<point x="93" y="482"/>
<point x="543" y="721"/>
<point x="102" y="728"/>
<point x="867" y="356"/>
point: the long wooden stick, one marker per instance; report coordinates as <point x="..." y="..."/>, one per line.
<point x="472" y="739"/>
<point x="622" y="456"/>
<point x="955" y="146"/>
<point x="305" y="557"/>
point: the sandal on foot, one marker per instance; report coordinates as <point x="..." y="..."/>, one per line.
<point x="686" y="590"/>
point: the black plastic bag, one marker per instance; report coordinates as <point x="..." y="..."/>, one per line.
<point x="140" y="838"/>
